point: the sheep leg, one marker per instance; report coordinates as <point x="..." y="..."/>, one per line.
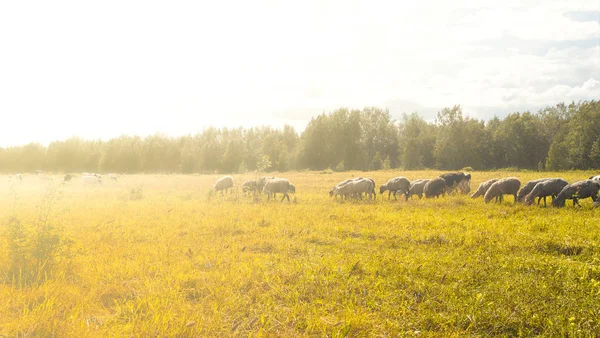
<point x="545" y="202"/>
<point x="284" y="196"/>
<point x="576" y="202"/>
<point x="389" y="192"/>
<point x="515" y="195"/>
<point x="406" y="196"/>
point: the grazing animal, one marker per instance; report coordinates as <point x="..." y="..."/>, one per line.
<point x="91" y="180"/>
<point x="396" y="185"/>
<point x="277" y="185"/>
<point x="459" y="180"/>
<point x="331" y="192"/>
<point x="260" y="184"/>
<point x="355" y="188"/>
<point x="224" y="183"/>
<point x="551" y="187"/>
<point x="435" y="188"/>
<point x="371" y="192"/>
<point x="505" y="186"/>
<point x="576" y="191"/>
<point x="113" y="177"/>
<point x="483" y="188"/>
<point x="416" y="188"/>
<point x="249" y="186"/>
<point x="528" y="187"/>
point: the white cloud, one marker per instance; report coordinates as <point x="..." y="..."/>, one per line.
<point x="138" y="67"/>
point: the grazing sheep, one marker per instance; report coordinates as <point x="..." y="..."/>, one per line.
<point x="371" y="192"/>
<point x="337" y="186"/>
<point x="505" y="186"/>
<point x="457" y="180"/>
<point x="551" y="187"/>
<point x="528" y="187"/>
<point x="483" y="188"/>
<point x="576" y="191"/>
<point x="355" y="188"/>
<point x="91" y="180"/>
<point x="260" y="184"/>
<point x="416" y="188"/>
<point x="224" y="183"/>
<point x="395" y="185"/>
<point x="435" y="187"/>
<point x="249" y="186"/>
<point x="277" y="185"/>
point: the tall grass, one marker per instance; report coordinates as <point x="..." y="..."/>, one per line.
<point x="184" y="262"/>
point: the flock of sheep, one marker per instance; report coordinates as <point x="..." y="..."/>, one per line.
<point x="270" y="186"/>
<point x="494" y="189"/>
<point x="86" y="178"/>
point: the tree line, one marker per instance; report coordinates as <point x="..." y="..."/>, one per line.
<point x="560" y="137"/>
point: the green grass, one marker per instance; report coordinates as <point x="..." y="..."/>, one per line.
<point x="158" y="255"/>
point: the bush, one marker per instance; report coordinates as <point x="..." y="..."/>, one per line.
<point x="33" y="252"/>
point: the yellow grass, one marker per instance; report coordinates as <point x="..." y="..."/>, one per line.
<point x="160" y="255"/>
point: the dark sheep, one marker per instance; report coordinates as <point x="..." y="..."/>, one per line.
<point x="396" y="185"/>
<point x="505" y="186"/>
<point x="435" y="188"/>
<point x="576" y="191"/>
<point x="528" y="187"/>
<point x="416" y="188"/>
<point x="483" y="188"/>
<point x="458" y="179"/>
<point x="551" y="187"/>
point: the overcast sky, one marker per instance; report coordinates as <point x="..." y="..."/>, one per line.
<point x="105" y="68"/>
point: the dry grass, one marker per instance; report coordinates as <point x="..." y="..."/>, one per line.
<point x="159" y="255"/>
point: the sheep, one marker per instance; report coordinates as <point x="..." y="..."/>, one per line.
<point x="260" y="184"/>
<point x="435" y="187"/>
<point x="337" y="186"/>
<point x="113" y="177"/>
<point x="457" y="180"/>
<point x="277" y="185"/>
<point x="483" y="188"/>
<point x="355" y="188"/>
<point x="371" y="191"/>
<point x="249" y="186"/>
<point x="416" y="188"/>
<point x="395" y="185"/>
<point x="576" y="191"/>
<point x="89" y="180"/>
<point x="224" y="183"/>
<point x="551" y="187"/>
<point x="505" y="186"/>
<point x="528" y="187"/>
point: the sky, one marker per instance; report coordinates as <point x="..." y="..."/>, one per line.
<point x="107" y="68"/>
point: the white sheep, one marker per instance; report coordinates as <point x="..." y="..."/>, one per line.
<point x="91" y="180"/>
<point x="224" y="183"/>
<point x="277" y="185"/>
<point x="355" y="188"/>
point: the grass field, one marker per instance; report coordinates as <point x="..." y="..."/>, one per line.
<point x="159" y="255"/>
